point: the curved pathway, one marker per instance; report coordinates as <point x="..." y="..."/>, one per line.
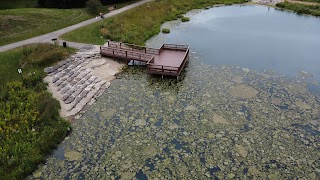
<point x="47" y="38"/>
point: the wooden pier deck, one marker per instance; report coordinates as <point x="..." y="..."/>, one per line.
<point x="170" y="59"/>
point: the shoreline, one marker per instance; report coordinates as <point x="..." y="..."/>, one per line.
<point x="78" y="81"/>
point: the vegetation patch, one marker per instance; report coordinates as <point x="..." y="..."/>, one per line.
<point x="316" y="1"/>
<point x="93" y="6"/>
<point x="139" y="24"/>
<point x="9" y="4"/>
<point x="165" y="31"/>
<point x="30" y="125"/>
<point x="313" y="10"/>
<point x="185" y="19"/>
<point x="20" y="24"/>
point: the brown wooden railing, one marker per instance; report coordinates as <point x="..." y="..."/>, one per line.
<point x="133" y="47"/>
<point x="141" y="53"/>
<point x="169" y="70"/>
<point x="122" y="53"/>
<point x="175" y="47"/>
<point x="165" y="70"/>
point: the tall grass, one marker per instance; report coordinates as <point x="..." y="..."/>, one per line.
<point x="30" y="58"/>
<point x="139" y="24"/>
<point x="30" y="126"/>
<point x="313" y="10"/>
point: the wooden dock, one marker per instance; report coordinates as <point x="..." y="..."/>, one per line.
<point x="170" y="59"/>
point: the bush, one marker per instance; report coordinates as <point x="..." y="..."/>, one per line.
<point x="180" y="16"/>
<point x="30" y="127"/>
<point x="185" y="19"/>
<point x="165" y="31"/>
<point x="93" y="6"/>
<point x="32" y="79"/>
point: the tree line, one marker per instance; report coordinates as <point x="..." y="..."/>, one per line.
<point x="65" y="4"/>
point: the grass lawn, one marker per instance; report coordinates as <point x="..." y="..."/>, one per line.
<point x="20" y="24"/>
<point x="139" y="24"/>
<point x="24" y="23"/>
<point x="30" y="125"/>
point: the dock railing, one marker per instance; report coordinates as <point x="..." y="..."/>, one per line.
<point x="170" y="69"/>
<point x="123" y="53"/>
<point x="133" y="47"/>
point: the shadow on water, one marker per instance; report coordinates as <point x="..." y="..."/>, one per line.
<point x="315" y="89"/>
<point x="141" y="176"/>
<point x="307" y="128"/>
<point x="59" y="153"/>
<point x="214" y="170"/>
<point x="246" y="112"/>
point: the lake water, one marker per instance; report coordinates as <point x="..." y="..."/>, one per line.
<point x="256" y="37"/>
<point x="232" y="115"/>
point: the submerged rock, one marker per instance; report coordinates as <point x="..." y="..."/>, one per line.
<point x="191" y="108"/>
<point x="242" y="151"/>
<point x="219" y="119"/>
<point x="243" y="91"/>
<point x="72" y="155"/>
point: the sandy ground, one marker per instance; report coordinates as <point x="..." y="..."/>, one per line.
<point x="104" y="68"/>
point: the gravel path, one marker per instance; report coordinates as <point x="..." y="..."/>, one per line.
<point x="47" y="38"/>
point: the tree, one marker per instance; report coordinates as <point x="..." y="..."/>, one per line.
<point x="93" y="6"/>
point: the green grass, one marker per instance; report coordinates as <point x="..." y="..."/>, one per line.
<point x="12" y="60"/>
<point x="24" y="23"/>
<point x="30" y="126"/>
<point x="316" y="1"/>
<point x="20" y="24"/>
<point x="165" y="31"/>
<point x="313" y="10"/>
<point x="185" y="19"/>
<point x="139" y="24"/>
<point x="11" y="4"/>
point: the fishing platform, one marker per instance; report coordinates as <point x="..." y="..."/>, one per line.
<point x="170" y="59"/>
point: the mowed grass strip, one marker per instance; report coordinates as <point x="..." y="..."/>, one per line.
<point x="139" y="24"/>
<point x="20" y="24"/>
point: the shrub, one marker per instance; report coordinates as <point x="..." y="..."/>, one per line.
<point x="32" y="79"/>
<point x="180" y="16"/>
<point x="93" y="6"/>
<point x="165" y="31"/>
<point x="30" y="127"/>
<point x="185" y="19"/>
<point x="105" y="33"/>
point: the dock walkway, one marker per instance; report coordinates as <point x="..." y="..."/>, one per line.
<point x="170" y="59"/>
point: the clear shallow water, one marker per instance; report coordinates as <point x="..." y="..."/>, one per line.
<point x="219" y="122"/>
